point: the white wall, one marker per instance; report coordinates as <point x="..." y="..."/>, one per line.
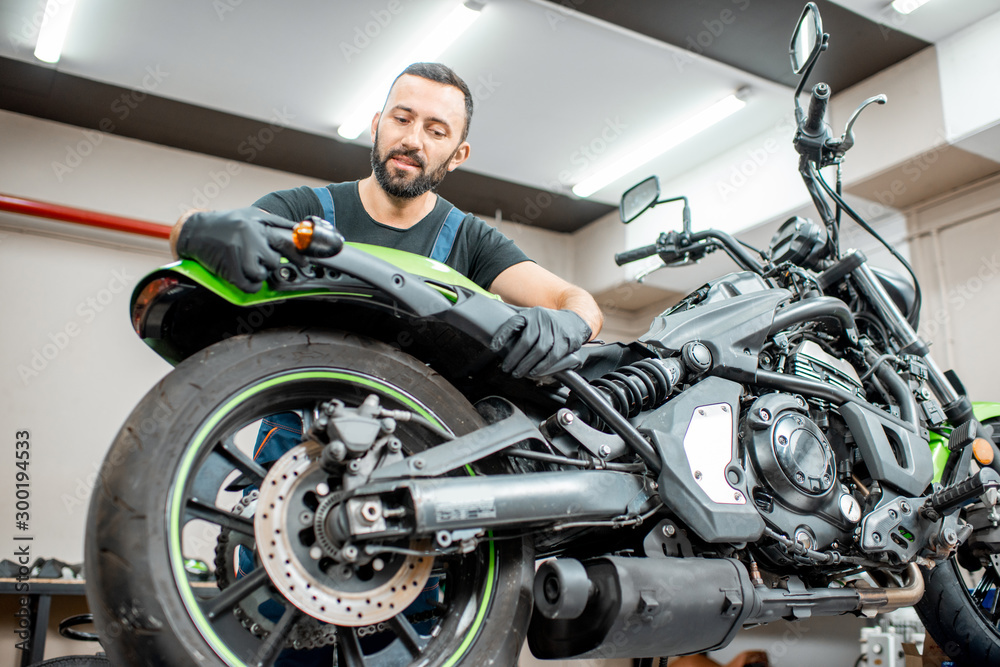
<point x="72" y="368"/>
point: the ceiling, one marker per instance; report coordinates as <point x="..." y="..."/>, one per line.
<point x="560" y="87"/>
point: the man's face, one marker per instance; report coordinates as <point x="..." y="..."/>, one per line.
<point x="417" y="137"/>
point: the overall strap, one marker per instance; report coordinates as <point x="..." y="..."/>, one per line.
<point x="326" y="201"/>
<point x="446" y="236"/>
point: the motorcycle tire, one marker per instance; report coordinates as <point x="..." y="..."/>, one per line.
<point x="960" y="610"/>
<point x="174" y="455"/>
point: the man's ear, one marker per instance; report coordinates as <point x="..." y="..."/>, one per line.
<point x="375" y="118"/>
<point x="460" y="156"/>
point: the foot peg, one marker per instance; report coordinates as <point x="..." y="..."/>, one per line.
<point x="952" y="497"/>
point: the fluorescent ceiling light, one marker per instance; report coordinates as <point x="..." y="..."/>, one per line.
<point x="907" y="6"/>
<point x="55" y="25"/>
<point x="677" y="134"/>
<point x="439" y="39"/>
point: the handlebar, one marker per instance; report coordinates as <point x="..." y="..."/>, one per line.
<point x="813" y="125"/>
<point x="635" y="254"/>
<point x="673" y="247"/>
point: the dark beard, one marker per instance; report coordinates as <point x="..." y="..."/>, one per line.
<point x="399" y="186"/>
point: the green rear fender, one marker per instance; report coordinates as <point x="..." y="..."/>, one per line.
<point x="435" y="272"/>
<point x="939" y="443"/>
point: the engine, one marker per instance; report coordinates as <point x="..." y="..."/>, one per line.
<point x="792" y="475"/>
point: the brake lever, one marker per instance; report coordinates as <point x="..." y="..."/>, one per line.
<point x="846" y="141"/>
<point x="642" y="275"/>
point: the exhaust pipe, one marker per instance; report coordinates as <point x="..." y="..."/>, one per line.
<point x="637" y="607"/>
<point x="616" y="607"/>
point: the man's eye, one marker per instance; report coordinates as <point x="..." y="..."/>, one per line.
<point x="438" y="133"/>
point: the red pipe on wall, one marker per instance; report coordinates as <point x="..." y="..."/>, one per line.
<point x="41" y="209"/>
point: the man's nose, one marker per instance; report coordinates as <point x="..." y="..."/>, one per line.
<point x="411" y="139"/>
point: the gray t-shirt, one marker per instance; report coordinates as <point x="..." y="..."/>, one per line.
<point x="480" y="252"/>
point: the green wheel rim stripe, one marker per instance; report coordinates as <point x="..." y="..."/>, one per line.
<point x="176" y="494"/>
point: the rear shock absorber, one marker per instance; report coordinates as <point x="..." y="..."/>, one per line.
<point x="630" y="389"/>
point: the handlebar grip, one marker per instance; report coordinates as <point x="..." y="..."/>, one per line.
<point x="635" y="254"/>
<point x="813" y="125"/>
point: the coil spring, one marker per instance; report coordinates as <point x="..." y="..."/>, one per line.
<point x="640" y="386"/>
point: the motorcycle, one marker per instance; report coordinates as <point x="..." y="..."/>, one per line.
<point x="779" y="445"/>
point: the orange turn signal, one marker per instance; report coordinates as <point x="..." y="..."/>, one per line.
<point x="302" y="234"/>
<point x="982" y="449"/>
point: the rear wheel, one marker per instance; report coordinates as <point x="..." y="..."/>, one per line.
<point x="961" y="603"/>
<point x="180" y="483"/>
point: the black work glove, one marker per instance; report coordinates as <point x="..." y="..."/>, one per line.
<point x="238" y="245"/>
<point x="544" y="337"/>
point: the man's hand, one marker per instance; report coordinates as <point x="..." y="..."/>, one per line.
<point x="543" y="337"/>
<point x="240" y="245"/>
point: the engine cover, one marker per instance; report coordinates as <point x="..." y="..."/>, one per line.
<point x="792" y="453"/>
<point x="793" y="473"/>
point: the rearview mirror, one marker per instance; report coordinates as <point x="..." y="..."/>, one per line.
<point x="807" y="40"/>
<point x="638" y="198"/>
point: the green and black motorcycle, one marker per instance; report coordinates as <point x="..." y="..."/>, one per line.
<point x="779" y="445"/>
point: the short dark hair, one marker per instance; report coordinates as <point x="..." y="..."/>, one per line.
<point x="442" y="74"/>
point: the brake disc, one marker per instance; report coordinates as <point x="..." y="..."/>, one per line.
<point x="308" y="633"/>
<point x="357" y="595"/>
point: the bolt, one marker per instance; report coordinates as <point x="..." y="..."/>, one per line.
<point x="701" y="411"/>
<point x="725" y="408"/>
<point x="388" y="425"/>
<point x="354" y="467"/>
<point x="315" y="553"/>
<point x="893" y="515"/>
<point x="378" y="564"/>
<point x="322" y="489"/>
<point x="370" y="511"/>
<point x="801" y="401"/>
<point x="876" y="538"/>
<point x="306" y="518"/>
<point x="826" y="478"/>
<point x="349" y="553"/>
<point x="764" y="415"/>
<point x="904" y="507"/>
<point x="737" y="496"/>
<point x="950" y="537"/>
<point x="697" y="474"/>
<point x="782" y="440"/>
<point x="565" y="417"/>
<point x="394" y="446"/>
<point x="799" y="477"/>
<point x="418" y="464"/>
<point x="669" y="530"/>
<point x="285" y="273"/>
<point x="604" y="451"/>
